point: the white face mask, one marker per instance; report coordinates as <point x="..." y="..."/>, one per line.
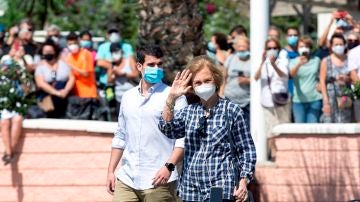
<point x="74" y="48"/>
<point x="303" y="50"/>
<point x="114" y="37"/>
<point x="338" y="49"/>
<point x="205" y="91"/>
<point x="116" y="56"/>
<point x="272" y="53"/>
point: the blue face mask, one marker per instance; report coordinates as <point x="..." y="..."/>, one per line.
<point x="211" y="55"/>
<point x="292" y="40"/>
<point x="8" y="62"/>
<point x="211" y="47"/>
<point x="85" y="44"/>
<point x="153" y="74"/>
<point x="341" y="23"/>
<point x="243" y="54"/>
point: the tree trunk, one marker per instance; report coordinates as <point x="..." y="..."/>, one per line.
<point x="176" y="26"/>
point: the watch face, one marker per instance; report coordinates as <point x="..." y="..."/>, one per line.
<point x="170" y="166"/>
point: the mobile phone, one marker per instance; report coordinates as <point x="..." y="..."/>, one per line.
<point x="342" y="14"/>
<point x="240" y="73"/>
<point x="216" y="194"/>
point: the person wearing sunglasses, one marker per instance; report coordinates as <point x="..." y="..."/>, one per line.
<point x="273" y="75"/>
<point x="148" y="158"/>
<point x="219" y="149"/>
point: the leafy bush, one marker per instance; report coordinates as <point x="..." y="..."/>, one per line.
<point x="16" y="87"/>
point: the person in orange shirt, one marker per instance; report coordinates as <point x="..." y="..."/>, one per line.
<point x="81" y="62"/>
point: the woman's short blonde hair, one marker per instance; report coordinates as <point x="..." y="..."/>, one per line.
<point x="200" y="62"/>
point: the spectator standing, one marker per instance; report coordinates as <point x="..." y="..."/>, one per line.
<point x="237" y="76"/>
<point x="53" y="77"/>
<point x="17" y="54"/>
<point x="274" y="33"/>
<point x="352" y="39"/>
<point x="104" y="58"/>
<point x="219" y="46"/>
<point x="148" y="158"/>
<point x="53" y="32"/>
<point x="87" y="43"/>
<point x="125" y="73"/>
<point x="334" y="76"/>
<point x="219" y="150"/>
<point x="273" y="75"/>
<point x="83" y="102"/>
<point x="304" y="70"/>
<point x="80" y="61"/>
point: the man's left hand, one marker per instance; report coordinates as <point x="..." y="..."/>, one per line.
<point x="161" y="177"/>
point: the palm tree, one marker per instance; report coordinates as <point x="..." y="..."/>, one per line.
<point x="40" y="8"/>
<point x="176" y="26"/>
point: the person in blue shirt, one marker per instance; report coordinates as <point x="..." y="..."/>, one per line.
<point x="103" y="57"/>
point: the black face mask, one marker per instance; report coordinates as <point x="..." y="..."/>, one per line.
<point x="48" y="57"/>
<point x="352" y="45"/>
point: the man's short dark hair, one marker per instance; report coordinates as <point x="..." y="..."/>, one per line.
<point x="85" y="32"/>
<point x="293" y="28"/>
<point x="239" y="29"/>
<point x="72" y="37"/>
<point x="152" y="50"/>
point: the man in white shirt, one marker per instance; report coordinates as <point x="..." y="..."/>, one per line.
<point x="354" y="63"/>
<point x="148" y="158"/>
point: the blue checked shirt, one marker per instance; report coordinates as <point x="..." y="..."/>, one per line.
<point x="209" y="160"/>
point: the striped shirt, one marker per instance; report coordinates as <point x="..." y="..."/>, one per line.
<point x="209" y="160"/>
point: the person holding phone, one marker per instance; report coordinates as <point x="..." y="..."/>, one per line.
<point x="237" y="75"/>
<point x="219" y="150"/>
<point x="304" y="69"/>
<point x="335" y="76"/>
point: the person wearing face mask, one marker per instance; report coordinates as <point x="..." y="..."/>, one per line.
<point x="53" y="32"/>
<point x="148" y="158"/>
<point x="218" y="48"/>
<point x="219" y="150"/>
<point x="124" y="72"/>
<point x="87" y="43"/>
<point x="334" y="76"/>
<point x="26" y="30"/>
<point x="273" y="76"/>
<point x="237" y="75"/>
<point x="17" y="55"/>
<point x="103" y="57"/>
<point x="53" y="77"/>
<point x="81" y="63"/>
<point x="307" y="102"/>
<point x="290" y="51"/>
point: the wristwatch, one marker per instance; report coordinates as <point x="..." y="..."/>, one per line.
<point x="170" y="166"/>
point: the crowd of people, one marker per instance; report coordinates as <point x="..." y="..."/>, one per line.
<point x="301" y="82"/>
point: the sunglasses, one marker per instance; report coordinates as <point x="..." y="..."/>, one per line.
<point x="271" y="48"/>
<point x="202" y="127"/>
<point x="352" y="41"/>
<point x="153" y="64"/>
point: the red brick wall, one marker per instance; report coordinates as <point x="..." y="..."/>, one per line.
<point x="55" y="165"/>
<point x="312" y="167"/>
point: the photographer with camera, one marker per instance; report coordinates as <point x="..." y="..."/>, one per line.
<point x="304" y="71"/>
